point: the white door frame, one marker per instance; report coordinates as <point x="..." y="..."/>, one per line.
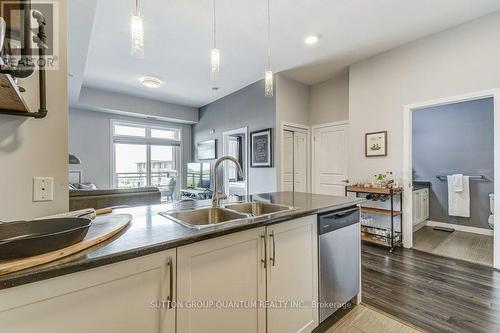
<point x="315" y="128"/>
<point x="408" y="163"/>
<point x="245" y="153"/>
<point x="293" y="127"/>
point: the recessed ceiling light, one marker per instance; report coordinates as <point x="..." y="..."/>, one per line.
<point x="313" y="39"/>
<point x="151" y="82"/>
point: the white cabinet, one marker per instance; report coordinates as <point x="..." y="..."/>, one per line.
<point x="213" y="273"/>
<point x="420" y="205"/>
<point x="239" y="267"/>
<point x="118" y="297"/>
<point x="425" y="204"/>
<point x="292" y="275"/>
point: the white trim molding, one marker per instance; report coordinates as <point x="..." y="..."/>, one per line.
<point x="458" y="227"/>
<point x="336" y="123"/>
<point x="288" y="126"/>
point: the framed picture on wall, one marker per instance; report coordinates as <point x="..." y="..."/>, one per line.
<point x="261" y="149"/>
<point x="207" y="150"/>
<point x="376" y="144"/>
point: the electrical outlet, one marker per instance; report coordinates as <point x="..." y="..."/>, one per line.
<point x="43" y="189"/>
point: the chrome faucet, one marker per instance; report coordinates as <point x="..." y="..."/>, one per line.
<point x="217" y="196"/>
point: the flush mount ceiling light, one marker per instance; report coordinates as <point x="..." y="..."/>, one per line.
<point x="151" y="82"/>
<point x="268" y="76"/>
<point x="137" y="33"/>
<point x="313" y="39"/>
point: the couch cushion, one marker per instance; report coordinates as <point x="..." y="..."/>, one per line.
<point x="81" y="193"/>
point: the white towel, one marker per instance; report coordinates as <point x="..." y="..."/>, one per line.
<point x="458" y="201"/>
<point x="457" y="181"/>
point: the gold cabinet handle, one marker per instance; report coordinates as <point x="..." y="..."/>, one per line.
<point x="273" y="257"/>
<point x="264" y="255"/>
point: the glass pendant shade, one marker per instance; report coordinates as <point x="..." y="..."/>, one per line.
<point x="214" y="63"/>
<point x="269" y="89"/>
<point x="137" y="35"/>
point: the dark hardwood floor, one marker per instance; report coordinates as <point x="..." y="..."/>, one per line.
<point x="434" y="293"/>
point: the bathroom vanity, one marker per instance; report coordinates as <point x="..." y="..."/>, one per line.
<point x="258" y="273"/>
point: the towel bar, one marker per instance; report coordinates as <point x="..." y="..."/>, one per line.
<point x="444" y="177"/>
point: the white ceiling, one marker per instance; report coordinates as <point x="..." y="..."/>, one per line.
<point x="178" y="39"/>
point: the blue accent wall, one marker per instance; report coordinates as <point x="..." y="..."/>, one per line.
<point x="455" y="138"/>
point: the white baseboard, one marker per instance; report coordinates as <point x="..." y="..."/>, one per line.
<point x="419" y="226"/>
<point x="474" y="230"/>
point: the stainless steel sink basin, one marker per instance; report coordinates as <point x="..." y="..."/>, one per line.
<point x="204" y="217"/>
<point x="257" y="208"/>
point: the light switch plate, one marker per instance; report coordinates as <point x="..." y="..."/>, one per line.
<point x="43" y="189"/>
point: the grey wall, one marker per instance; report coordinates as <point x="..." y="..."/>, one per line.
<point x="454" y="62"/>
<point x="90" y="140"/>
<point x="329" y="100"/>
<point x="105" y="100"/>
<point x="456" y="138"/>
<point x="246" y="107"/>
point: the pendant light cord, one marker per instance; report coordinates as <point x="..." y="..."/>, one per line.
<point x="136" y="7"/>
<point x="268" y="35"/>
<point x="215" y="29"/>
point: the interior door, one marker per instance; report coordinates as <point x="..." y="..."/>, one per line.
<point x="288" y="161"/>
<point x="300" y="162"/>
<point x="330" y="159"/>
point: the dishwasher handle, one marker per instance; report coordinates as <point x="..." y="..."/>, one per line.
<point x="337" y="219"/>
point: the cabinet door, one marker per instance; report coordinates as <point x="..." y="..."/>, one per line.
<point x="115" y="298"/>
<point x="292" y="275"/>
<point x="425" y="204"/>
<point x="417" y="207"/>
<point x="217" y="271"/>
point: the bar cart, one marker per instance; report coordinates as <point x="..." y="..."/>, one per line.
<point x="388" y="237"/>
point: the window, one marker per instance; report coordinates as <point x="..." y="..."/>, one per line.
<point x="146" y="155"/>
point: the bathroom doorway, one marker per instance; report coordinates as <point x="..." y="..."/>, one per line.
<point x="450" y="172"/>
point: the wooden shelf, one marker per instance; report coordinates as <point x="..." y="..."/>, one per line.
<point x="10" y="96"/>
<point x="374" y="190"/>
<point x="380" y="211"/>
<point x="373" y="231"/>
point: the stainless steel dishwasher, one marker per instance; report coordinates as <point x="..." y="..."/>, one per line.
<point x="339" y="256"/>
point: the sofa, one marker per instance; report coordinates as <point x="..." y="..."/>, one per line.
<point x="81" y="199"/>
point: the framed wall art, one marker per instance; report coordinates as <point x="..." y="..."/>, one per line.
<point x="261" y="149"/>
<point x="376" y="144"/>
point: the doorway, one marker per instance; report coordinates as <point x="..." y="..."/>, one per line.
<point x="330" y="158"/>
<point x="461" y="231"/>
<point x="295" y="158"/>
<point x="234" y="143"/>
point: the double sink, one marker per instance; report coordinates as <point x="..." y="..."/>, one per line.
<point x="200" y="218"/>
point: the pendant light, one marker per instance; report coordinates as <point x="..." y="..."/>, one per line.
<point x="137" y="33"/>
<point x="214" y="54"/>
<point x="268" y="77"/>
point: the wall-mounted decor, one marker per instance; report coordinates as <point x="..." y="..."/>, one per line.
<point x="376" y="144"/>
<point x="261" y="149"/>
<point x="207" y="150"/>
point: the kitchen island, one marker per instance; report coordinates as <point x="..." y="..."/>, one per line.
<point x="160" y="276"/>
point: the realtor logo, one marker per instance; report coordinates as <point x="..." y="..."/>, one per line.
<point x="30" y="26"/>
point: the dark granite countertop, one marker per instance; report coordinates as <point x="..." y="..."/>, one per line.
<point x="418" y="185"/>
<point x="149" y="233"/>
